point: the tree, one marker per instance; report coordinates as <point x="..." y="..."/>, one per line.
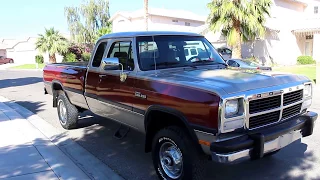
<point x="84" y="22"/>
<point x="52" y="42"/>
<point x="238" y="20"/>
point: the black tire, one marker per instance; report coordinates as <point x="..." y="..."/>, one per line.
<point x="11" y="61"/>
<point x="271" y="153"/>
<point x="70" y="113"/>
<point x="192" y="159"/>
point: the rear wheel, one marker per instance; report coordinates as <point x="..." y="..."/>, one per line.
<point x="67" y="112"/>
<point x="175" y="156"/>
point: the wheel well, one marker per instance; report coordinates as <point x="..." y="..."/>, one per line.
<point x="56" y="89"/>
<point x="157" y="120"/>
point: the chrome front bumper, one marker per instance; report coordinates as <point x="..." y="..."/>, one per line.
<point x="270" y="146"/>
<point x="256" y="144"/>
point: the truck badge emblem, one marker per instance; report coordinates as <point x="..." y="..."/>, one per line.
<point x="138" y="94"/>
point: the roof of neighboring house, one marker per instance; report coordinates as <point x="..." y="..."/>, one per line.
<point x="13" y="42"/>
<point x="179" y="14"/>
<point x="307" y="27"/>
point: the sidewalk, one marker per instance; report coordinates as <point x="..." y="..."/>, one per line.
<point x="30" y="148"/>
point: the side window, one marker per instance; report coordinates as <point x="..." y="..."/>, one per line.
<point x="99" y="54"/>
<point x="186" y="52"/>
<point x="230" y="63"/>
<point x="193" y="51"/>
<point x="228" y="51"/>
<point x="123" y="51"/>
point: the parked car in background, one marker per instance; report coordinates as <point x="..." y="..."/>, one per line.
<point x="226" y="53"/>
<point x="246" y="64"/>
<point x="4" y="60"/>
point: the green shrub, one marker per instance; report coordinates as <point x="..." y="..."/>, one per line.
<point x="70" y="57"/>
<point x="86" y="56"/>
<point x="305" y="60"/>
<point x="39" y="59"/>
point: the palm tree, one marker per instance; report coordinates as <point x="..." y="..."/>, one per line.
<point x="52" y="42"/>
<point x="238" y="20"/>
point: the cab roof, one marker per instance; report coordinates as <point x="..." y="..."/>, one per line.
<point x="146" y="33"/>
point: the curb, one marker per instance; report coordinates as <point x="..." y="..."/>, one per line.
<point x="89" y="164"/>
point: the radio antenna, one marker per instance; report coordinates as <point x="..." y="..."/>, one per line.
<point x="154" y="57"/>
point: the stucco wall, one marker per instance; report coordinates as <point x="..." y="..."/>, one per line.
<point x="3" y="52"/>
<point x="155" y="23"/>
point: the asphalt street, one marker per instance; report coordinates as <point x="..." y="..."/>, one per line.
<point x="127" y="157"/>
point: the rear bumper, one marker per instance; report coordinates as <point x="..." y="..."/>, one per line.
<point x="255" y="144"/>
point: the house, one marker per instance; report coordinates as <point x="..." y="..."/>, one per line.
<point x="22" y="51"/>
<point x="292" y="30"/>
<point x="158" y="19"/>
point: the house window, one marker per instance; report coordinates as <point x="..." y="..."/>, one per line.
<point x="315" y="10"/>
<point x="174" y="20"/>
<point x="187" y="23"/>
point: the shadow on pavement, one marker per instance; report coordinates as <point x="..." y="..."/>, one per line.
<point x="34" y="107"/>
<point x="127" y="157"/>
<point x="5" y="83"/>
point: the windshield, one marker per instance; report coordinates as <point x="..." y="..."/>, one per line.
<point x="159" y="52"/>
<point x="250" y="63"/>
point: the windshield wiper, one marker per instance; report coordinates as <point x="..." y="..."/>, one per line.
<point x="206" y="61"/>
<point x="165" y="63"/>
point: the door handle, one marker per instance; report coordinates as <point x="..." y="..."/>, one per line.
<point x="102" y="76"/>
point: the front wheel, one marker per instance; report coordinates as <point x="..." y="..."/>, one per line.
<point x="67" y="112"/>
<point x="11" y="61"/>
<point x="175" y="155"/>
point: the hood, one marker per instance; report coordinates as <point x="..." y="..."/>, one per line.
<point x="231" y="81"/>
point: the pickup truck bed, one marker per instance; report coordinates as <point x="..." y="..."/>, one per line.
<point x="72" y="76"/>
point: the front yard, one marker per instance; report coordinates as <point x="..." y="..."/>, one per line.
<point x="307" y="70"/>
<point x="28" y="66"/>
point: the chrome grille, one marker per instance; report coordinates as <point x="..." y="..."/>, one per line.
<point x="264" y="119"/>
<point x="264" y="104"/>
<point x="273" y="102"/>
<point x="292" y="97"/>
<point x="291" y="111"/>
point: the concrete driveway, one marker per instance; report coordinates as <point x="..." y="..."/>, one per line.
<point x="127" y="157"/>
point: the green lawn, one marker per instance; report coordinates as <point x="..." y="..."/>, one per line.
<point x="307" y="70"/>
<point x="28" y="66"/>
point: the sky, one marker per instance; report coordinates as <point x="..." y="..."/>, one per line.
<point x="23" y="18"/>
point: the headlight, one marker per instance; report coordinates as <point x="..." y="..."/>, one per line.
<point x="307" y="92"/>
<point x="232" y="107"/>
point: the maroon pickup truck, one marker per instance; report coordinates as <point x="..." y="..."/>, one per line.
<point x="190" y="108"/>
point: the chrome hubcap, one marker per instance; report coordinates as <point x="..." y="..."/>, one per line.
<point x="62" y="112"/>
<point x="171" y="160"/>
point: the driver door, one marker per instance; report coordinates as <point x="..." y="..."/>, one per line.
<point x="116" y="96"/>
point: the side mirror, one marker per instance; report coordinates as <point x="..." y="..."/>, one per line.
<point x="113" y="64"/>
<point x="110" y="64"/>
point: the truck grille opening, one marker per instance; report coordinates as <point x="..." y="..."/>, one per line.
<point x="291" y="111"/>
<point x="264" y="119"/>
<point x="292" y="97"/>
<point x="264" y="104"/>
